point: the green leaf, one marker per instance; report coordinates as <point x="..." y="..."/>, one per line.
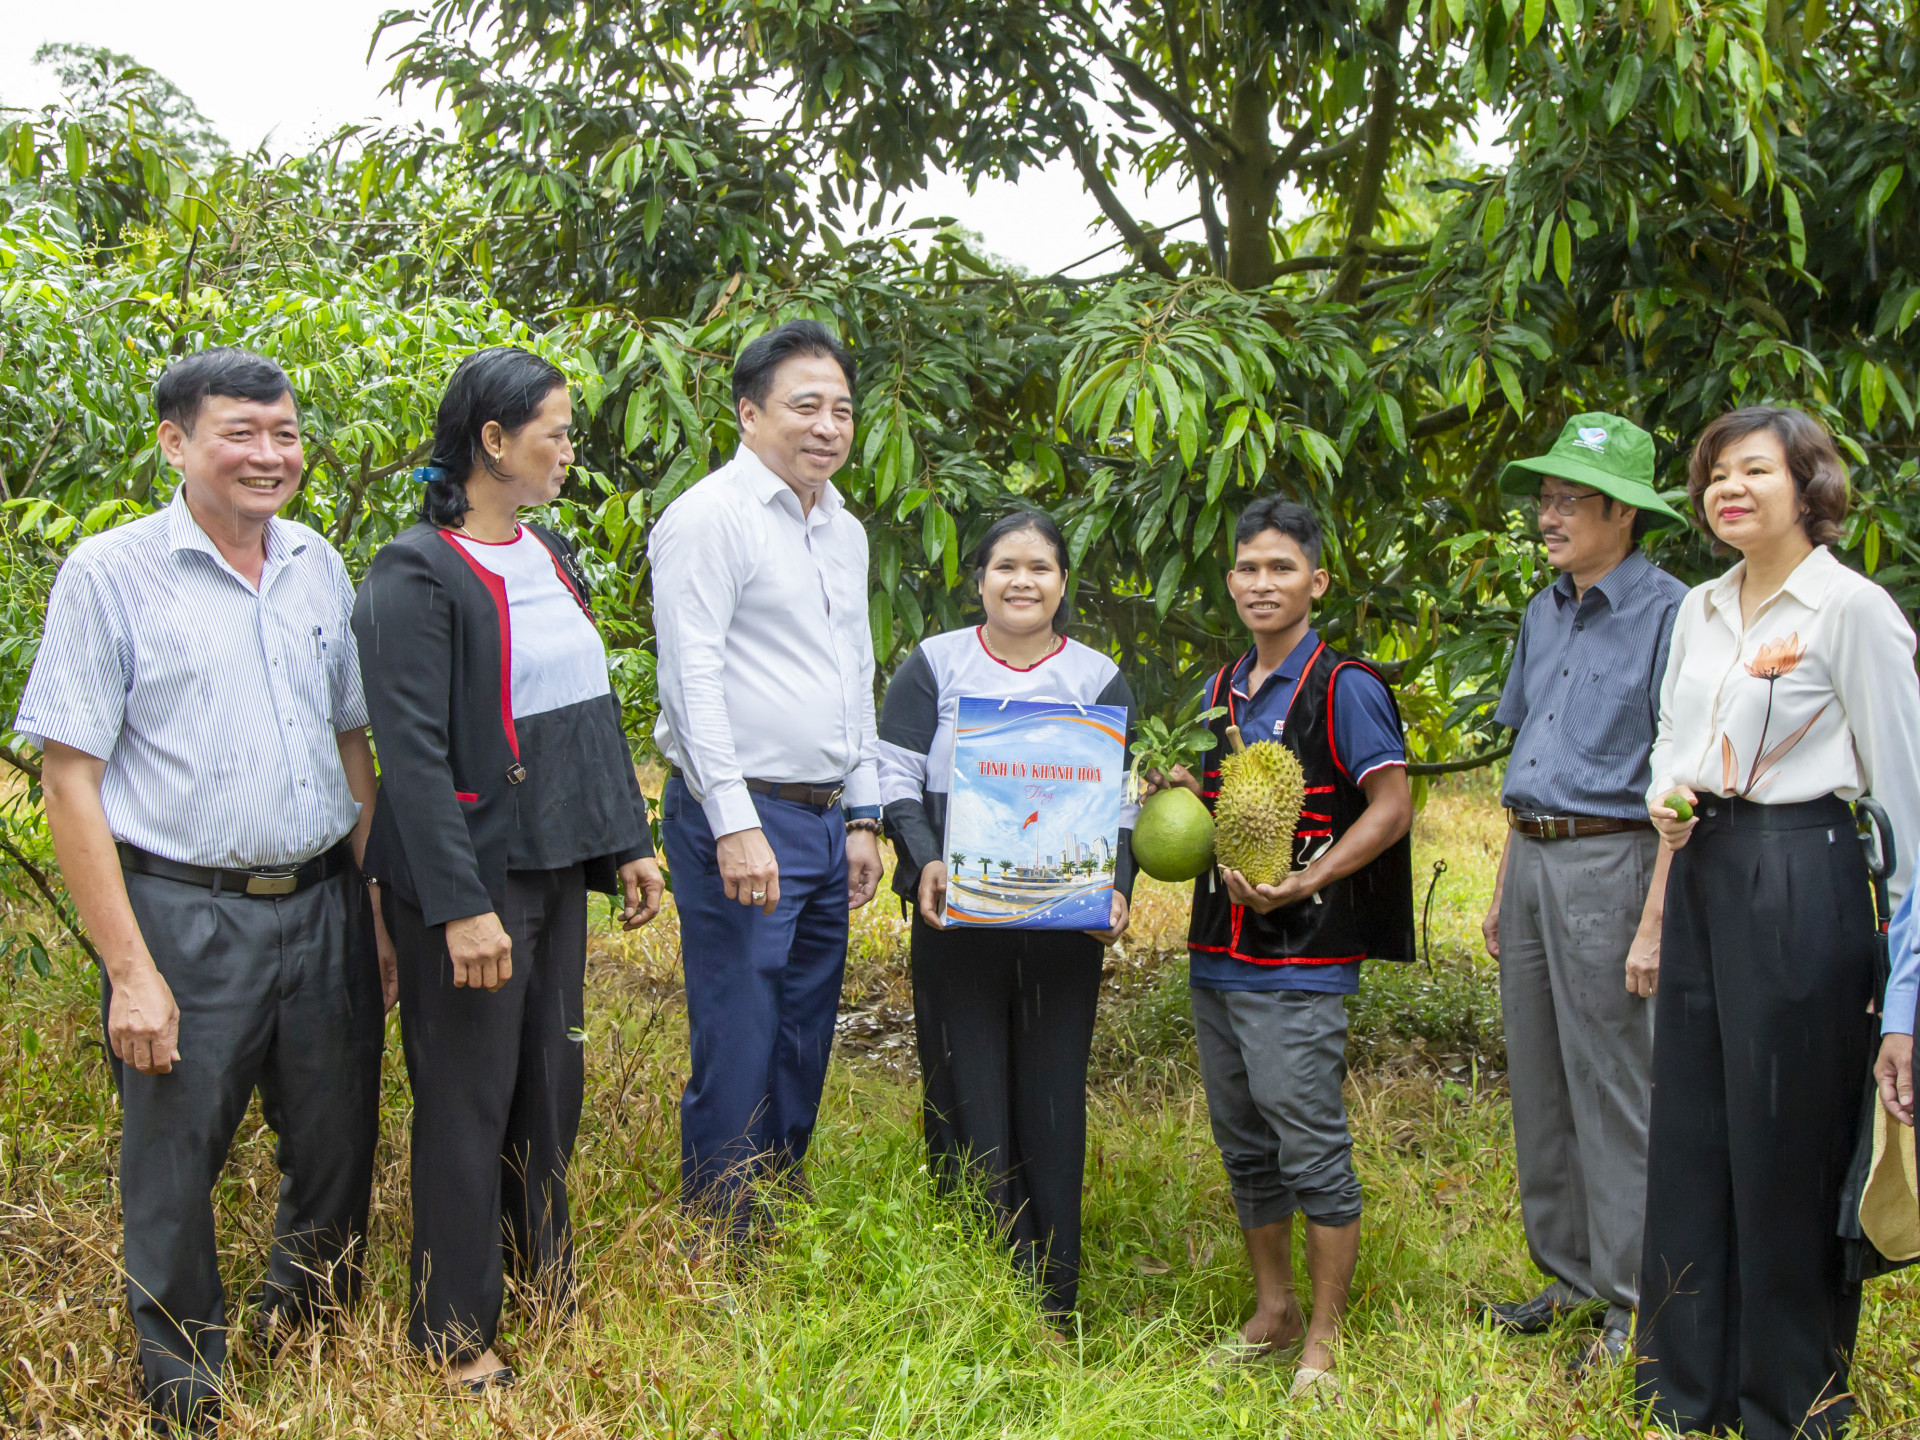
<point x="1569" y="11"/>
<point x="76" y="152"/>
<point x="1495" y="217"/>
<point x="1796" y="227"/>
<point x="1563" y="253"/>
<point x="1870" y="549"/>
<point x="1509" y="380"/>
<point x="1540" y="243"/>
<point x="1624" y="90"/>
<point x="1391" y="420"/>
<point x="1883" y="185"/>
<point x="683" y="157"/>
<point x="1536" y="14"/>
<point x="1813" y="21"/>
<point x="1167" y="586"/>
<point x="1143" y="418"/>
<point x="636" y="424"/>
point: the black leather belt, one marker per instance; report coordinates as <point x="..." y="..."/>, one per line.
<point x="820" y="797"/>
<point x="1571" y="827"/>
<point x="270" y="883"/>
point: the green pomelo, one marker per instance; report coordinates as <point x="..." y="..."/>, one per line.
<point x="1173" y="838"/>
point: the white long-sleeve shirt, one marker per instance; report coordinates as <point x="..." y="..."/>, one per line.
<point x="765" y="656"/>
<point x="1815" y="696"/>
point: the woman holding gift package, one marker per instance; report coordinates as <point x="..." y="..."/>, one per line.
<point x="507" y="792"/>
<point x="1004" y="1017"/>
<point x="1789" y="691"/>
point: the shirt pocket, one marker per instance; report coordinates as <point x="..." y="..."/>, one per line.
<point x="1608" y="714"/>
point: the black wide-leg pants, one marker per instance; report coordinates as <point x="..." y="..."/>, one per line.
<point x="1004" y="1020"/>
<point x="497" y="1085"/>
<point x="1762" y="1044"/>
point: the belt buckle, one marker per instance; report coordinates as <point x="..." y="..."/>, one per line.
<point x="274" y="882"/>
<point x="833" y="797"/>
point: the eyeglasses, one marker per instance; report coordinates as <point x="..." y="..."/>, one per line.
<point x="1564" y="503"/>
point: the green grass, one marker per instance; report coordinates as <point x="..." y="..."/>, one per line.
<point x="880" y="1311"/>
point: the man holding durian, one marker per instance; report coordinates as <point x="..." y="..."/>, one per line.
<point x="1308" y="786"/>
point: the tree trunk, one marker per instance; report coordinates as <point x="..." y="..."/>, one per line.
<point x="1375" y="151"/>
<point x="1249" y="182"/>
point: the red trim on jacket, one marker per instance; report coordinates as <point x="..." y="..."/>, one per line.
<point x="497" y="588"/>
<point x="1229" y="950"/>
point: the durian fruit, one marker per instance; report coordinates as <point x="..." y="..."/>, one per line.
<point x="1261" y="788"/>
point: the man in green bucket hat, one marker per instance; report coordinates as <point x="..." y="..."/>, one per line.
<point x="1575" y="919"/>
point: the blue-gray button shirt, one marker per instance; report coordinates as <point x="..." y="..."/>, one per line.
<point x="1584" y="692"/>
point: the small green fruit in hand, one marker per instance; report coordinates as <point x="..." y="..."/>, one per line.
<point x="1677" y="803"/>
<point x="1173" y="838"/>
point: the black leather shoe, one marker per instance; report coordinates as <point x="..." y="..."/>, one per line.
<point x="1526" y="1317"/>
<point x="501" y="1379"/>
<point x="1613" y="1346"/>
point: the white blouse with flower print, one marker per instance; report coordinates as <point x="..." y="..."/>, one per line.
<point x="1817" y="696"/>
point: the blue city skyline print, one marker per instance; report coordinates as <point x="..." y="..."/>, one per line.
<point x="1033" y="815"/>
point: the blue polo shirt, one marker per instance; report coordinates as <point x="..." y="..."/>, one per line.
<point x="1367" y="735"/>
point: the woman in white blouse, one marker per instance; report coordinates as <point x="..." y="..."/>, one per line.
<point x="1790" y="690"/>
<point x="1004" y="1018"/>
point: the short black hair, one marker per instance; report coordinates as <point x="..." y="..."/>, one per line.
<point x="504" y="384"/>
<point x="224" y="370"/>
<point x="753" y="371"/>
<point x="1289" y="517"/>
<point x="1027" y="522"/>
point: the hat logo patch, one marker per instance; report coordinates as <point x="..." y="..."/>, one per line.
<point x="1593" y="438"/>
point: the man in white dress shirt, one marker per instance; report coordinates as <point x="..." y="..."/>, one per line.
<point x="771" y="814"/>
<point x="209" y="784"/>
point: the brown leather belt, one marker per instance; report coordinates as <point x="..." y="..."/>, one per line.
<point x="269" y="882"/>
<point x="821" y="797"/>
<point x="1570" y="827"/>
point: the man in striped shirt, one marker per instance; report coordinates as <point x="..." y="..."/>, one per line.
<point x="1575" y="919"/>
<point x="209" y="784"/>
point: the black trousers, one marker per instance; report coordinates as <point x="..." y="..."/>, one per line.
<point x="497" y="1083"/>
<point x="282" y="994"/>
<point x="1004" y="1020"/>
<point x="1762" y="1043"/>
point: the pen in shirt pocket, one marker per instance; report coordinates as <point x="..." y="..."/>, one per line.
<point x="319" y="645"/>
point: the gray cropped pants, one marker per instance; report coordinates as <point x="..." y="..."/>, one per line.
<point x="1273" y="1062"/>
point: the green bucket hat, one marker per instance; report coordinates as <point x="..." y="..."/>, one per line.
<point x="1613" y="455"/>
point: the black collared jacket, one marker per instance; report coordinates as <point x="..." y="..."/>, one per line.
<point x="466" y="791"/>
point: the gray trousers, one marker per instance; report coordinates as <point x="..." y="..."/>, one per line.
<point x="1273" y="1062"/>
<point x="1579" y="1057"/>
<point x="282" y="994"/>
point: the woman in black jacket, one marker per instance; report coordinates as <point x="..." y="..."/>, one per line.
<point x="506" y="792"/>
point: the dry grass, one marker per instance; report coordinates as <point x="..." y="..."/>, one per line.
<point x="877" y="1313"/>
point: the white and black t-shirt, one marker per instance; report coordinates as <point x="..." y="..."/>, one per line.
<point x="917" y="723"/>
<point x="564" y="717"/>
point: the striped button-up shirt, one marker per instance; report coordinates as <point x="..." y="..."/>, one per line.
<point x="1584" y="692"/>
<point x="215" y="706"/>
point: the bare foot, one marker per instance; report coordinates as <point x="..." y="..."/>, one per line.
<point x="474" y="1369"/>
<point x="1275" y="1329"/>
<point x="1317" y="1353"/>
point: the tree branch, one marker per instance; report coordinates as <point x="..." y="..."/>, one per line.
<point x="1202" y="172"/>
<point x="1454" y="767"/>
<point x="20" y="762"/>
<point x="1454" y="416"/>
<point x="1378" y="149"/>
<point x="1143" y="245"/>
<point x="45" y="887"/>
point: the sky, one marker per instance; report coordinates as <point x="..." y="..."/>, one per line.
<point x="291" y="74"/>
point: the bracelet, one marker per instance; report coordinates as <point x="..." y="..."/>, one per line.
<point x="872" y="827"/>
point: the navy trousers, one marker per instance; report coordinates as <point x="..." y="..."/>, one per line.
<point x="762" y="995"/>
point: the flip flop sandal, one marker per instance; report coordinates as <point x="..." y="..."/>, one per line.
<point x="1322" y="1383"/>
<point x="501" y="1379"/>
